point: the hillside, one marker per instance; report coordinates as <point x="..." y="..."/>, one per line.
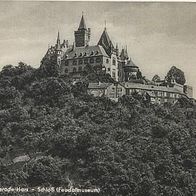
<point x="124" y="148"/>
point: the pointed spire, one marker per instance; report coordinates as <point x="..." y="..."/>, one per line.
<point x="82" y="23"/>
<point x="124" y="54"/>
<point x="58" y="42"/>
<point x="105" y="25"/>
<point x="117" y="50"/>
<point x="58" y="38"/>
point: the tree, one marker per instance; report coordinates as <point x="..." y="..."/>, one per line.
<point x="177" y="75"/>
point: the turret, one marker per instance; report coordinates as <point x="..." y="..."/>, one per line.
<point x="131" y="71"/>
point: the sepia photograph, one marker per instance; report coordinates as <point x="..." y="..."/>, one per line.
<point x="97" y="98"/>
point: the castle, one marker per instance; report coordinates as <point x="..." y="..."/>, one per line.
<point x="104" y="56"/>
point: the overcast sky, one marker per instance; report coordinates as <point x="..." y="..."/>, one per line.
<point x="157" y="35"/>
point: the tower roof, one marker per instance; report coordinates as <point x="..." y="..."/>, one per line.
<point x="82" y="23"/>
<point x="106" y="42"/>
<point x="58" y="43"/>
<point x="105" y="39"/>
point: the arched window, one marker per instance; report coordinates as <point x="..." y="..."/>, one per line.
<point x="66" y="63"/>
<point x="74" y="62"/>
<point x="91" y="60"/>
<point x="80" y="69"/>
<point x="80" y="61"/>
<point x="74" y="70"/>
<point x="85" y="61"/>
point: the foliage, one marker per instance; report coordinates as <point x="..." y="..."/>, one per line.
<point x="177" y="74"/>
<point x="126" y="148"/>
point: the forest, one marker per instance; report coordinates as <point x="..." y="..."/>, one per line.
<point x="125" y="148"/>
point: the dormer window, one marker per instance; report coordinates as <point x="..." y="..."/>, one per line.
<point x="97" y="52"/>
<point x="92" y="53"/>
<point x="80" y="54"/>
<point x="75" y="55"/>
<point x="85" y="54"/>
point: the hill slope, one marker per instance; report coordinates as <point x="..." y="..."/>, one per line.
<point x="124" y="148"/>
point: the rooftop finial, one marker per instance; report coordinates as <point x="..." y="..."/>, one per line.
<point x="58" y="37"/>
<point x="105" y="25"/>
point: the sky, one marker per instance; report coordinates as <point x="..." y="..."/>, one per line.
<point x="157" y="35"/>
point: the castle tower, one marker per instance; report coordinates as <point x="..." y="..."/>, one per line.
<point x="82" y="35"/>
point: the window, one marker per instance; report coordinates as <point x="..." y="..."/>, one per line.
<point x="159" y="93"/>
<point x="80" y="69"/>
<point x="66" y="70"/>
<point x="85" y="61"/>
<point x="107" y="60"/>
<point x="74" y="62"/>
<point x="74" y="70"/>
<point x="113" y="61"/>
<point x="119" y="89"/>
<point x="80" y="62"/>
<point x="113" y="75"/>
<point x="91" y="60"/>
<point x="127" y="91"/>
<point x="98" y="60"/>
<point x="108" y="69"/>
<point x="66" y="63"/>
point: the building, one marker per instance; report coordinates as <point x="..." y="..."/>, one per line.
<point x="111" y="90"/>
<point x="73" y="59"/>
<point x="156" y="94"/>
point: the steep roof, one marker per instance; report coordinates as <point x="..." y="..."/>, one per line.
<point x="82" y="24"/>
<point x="130" y="63"/>
<point x="106" y="42"/>
<point x="86" y="51"/>
<point x="58" y="44"/>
